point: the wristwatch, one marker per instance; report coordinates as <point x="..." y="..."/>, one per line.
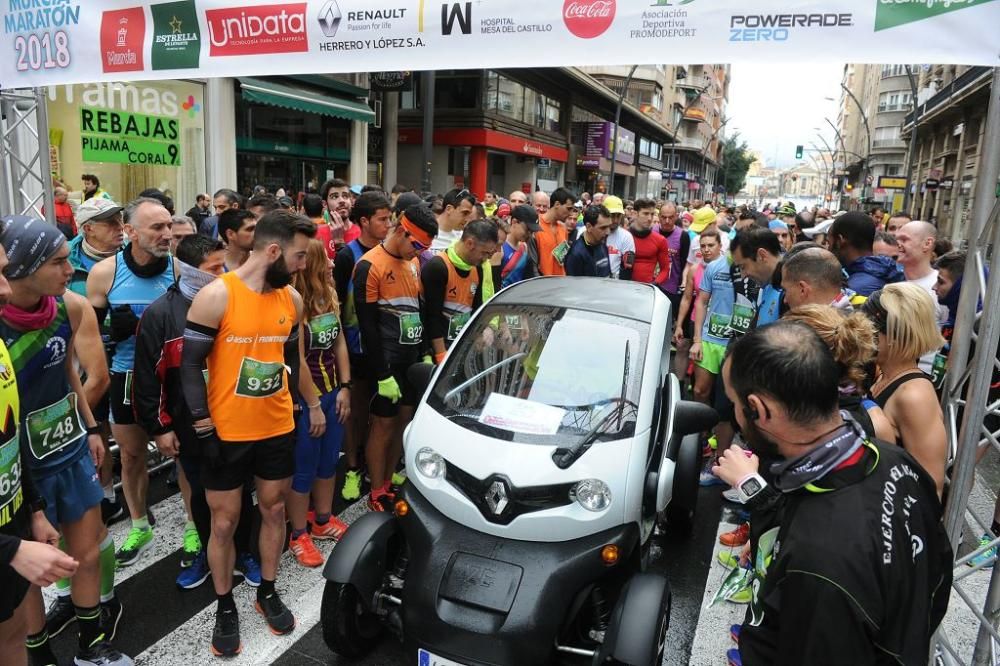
<point x="750" y="486"/>
<point x="39" y="504"/>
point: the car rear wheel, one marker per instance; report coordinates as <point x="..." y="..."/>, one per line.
<point x="349" y="629"/>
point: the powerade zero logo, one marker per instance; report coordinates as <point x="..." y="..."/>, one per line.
<point x="890" y="13"/>
<point x="176" y="36"/>
<point x="588" y="18"/>
<point x="779" y="27"/>
<point x="237" y="31"/>
<point x="122" y="33"/>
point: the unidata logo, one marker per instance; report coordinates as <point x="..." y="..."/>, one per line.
<point x="236" y="31"/>
<point x="588" y="18"/>
<point x="122" y="34"/>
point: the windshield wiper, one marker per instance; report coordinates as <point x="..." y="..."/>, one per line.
<point x="564" y="457"/>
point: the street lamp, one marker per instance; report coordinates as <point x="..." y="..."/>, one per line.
<point x="677" y="127"/>
<point x="833" y="159"/>
<point x="618" y="117"/>
<point x="868" y="134"/>
<point x="704" y="153"/>
<point x="910" y="185"/>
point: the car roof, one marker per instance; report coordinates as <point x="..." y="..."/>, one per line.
<point x="620" y="298"/>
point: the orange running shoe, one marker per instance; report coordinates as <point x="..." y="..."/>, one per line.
<point x="305" y="551"/>
<point x="333" y="529"/>
<point x="737" y="537"/>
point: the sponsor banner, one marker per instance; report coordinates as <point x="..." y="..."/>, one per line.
<point x="51" y="42"/>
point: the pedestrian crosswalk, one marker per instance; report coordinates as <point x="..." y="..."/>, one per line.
<point x="163" y="625"/>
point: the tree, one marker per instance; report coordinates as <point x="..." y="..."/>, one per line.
<point x="736" y="161"/>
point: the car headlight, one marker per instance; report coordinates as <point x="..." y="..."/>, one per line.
<point x="430" y="463"/>
<point x="592" y="494"/>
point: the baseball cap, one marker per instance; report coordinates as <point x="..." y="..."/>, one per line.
<point x="777" y="225"/>
<point x="787" y="209"/>
<point x="405" y="200"/>
<point x="701" y="219"/>
<point x="821" y="228"/>
<point x="614" y="205"/>
<point x="528" y="215"/>
<point x="96" y="210"/>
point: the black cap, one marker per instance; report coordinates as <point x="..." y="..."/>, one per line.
<point x="528" y="215"/>
<point x="405" y="200"/>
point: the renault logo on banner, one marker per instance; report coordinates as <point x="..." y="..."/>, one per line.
<point x="496" y="497"/>
<point x="329" y="18"/>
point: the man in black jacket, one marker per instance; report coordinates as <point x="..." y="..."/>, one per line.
<point x="589" y="255"/>
<point x="847" y="535"/>
<point x="159" y="399"/>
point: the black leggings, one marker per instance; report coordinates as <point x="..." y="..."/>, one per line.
<point x="202" y="515"/>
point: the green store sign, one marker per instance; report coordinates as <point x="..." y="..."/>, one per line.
<point x="123" y="137"/>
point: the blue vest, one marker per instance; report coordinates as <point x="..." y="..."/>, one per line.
<point x="129" y="289"/>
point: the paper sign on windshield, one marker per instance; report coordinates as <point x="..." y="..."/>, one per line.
<point x="517" y="415"/>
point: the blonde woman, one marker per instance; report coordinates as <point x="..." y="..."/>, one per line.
<point x="905" y="318"/>
<point x="324" y="386"/>
<point x="852" y="339"/>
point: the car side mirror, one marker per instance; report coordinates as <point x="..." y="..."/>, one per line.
<point x="692" y="417"/>
<point x="420" y="375"/>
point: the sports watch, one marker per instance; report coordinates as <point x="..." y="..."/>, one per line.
<point x="750" y="486"/>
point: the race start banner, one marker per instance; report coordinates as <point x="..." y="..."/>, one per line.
<point x="51" y="42"/>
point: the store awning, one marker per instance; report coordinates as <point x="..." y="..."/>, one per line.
<point x="300" y="99"/>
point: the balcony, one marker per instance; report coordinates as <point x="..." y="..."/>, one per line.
<point x="888" y="144"/>
<point x="693" y="83"/>
<point x="888" y="108"/>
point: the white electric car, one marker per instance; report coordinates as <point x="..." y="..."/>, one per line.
<point x="545" y="449"/>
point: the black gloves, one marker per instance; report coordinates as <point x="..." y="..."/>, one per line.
<point x="123" y="323"/>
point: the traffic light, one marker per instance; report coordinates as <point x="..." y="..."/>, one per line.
<point x="798" y="152"/>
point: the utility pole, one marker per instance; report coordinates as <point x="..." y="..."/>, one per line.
<point x="618" y="118"/>
<point x="427" y="93"/>
<point x="910" y="183"/>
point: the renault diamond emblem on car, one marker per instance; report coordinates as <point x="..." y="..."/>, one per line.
<point x="496" y="497"/>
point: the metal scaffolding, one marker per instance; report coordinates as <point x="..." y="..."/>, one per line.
<point x="26" y="181"/>
<point x="971" y="366"/>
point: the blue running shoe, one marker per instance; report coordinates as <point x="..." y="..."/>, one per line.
<point x="734" y="633"/>
<point x="733" y="657"/>
<point x="196" y="574"/>
<point x="986" y="558"/>
<point x="249" y="568"/>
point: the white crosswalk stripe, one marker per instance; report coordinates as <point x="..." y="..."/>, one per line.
<point x="300" y="588"/>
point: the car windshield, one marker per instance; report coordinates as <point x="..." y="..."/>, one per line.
<point x="544" y="375"/>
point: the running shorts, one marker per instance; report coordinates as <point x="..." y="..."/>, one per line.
<point x="269" y="459"/>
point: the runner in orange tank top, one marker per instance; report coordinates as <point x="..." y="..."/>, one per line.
<point x="243" y="329"/>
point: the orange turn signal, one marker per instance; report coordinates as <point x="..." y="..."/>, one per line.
<point x="401" y="508"/>
<point x="609" y="554"/>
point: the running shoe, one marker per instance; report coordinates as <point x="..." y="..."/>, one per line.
<point x="352" y="485"/>
<point x="305" y="550"/>
<point x="111" y="510"/>
<point x="333" y="529"/>
<point x="101" y="654"/>
<point x="381" y="503"/>
<point x="60" y="615"/>
<point x="729" y="559"/>
<point x="226" y="635"/>
<point x="279" y="619"/>
<point x="741" y="596"/>
<point x="398" y="478"/>
<point x="192" y="546"/>
<point x="136" y="542"/>
<point x="196" y="574"/>
<point x="111" y="615"/>
<point x="247" y="566"/>
<point x="734" y="632"/>
<point x="733" y="657"/>
<point x="984" y="560"/>
<point x="737" y="537"/>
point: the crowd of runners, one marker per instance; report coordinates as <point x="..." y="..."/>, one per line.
<point x="259" y="344"/>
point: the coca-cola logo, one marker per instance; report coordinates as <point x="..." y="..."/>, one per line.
<point x="588" y="19"/>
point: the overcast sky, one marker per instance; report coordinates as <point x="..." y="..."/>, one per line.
<point x="776" y="107"/>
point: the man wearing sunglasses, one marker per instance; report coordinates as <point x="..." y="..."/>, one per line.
<point x="387" y="294"/>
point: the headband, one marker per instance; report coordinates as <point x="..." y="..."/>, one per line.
<point x="415" y="232"/>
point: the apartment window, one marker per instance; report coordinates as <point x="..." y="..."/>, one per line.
<point x="893" y="169"/>
<point x="894" y="70"/>
<point x="898" y="100"/>
<point x="552" y="109"/>
<point x="886" y="133"/>
<point x="454" y="89"/>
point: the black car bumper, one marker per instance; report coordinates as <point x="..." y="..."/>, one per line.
<point x="485" y="600"/>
